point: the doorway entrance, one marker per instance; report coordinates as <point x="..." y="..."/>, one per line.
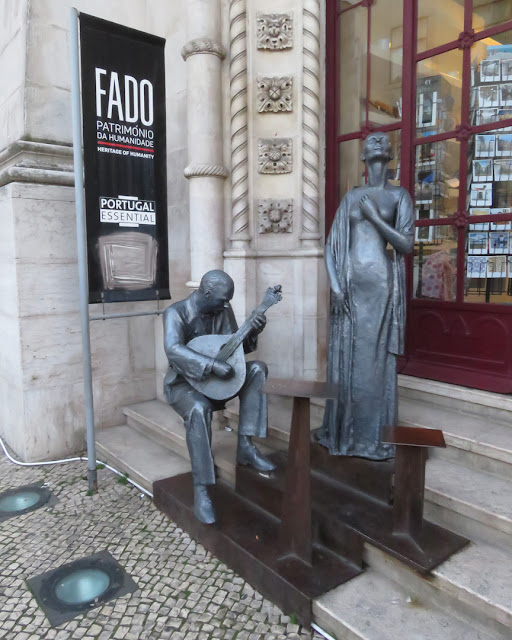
<point x="442" y="89"/>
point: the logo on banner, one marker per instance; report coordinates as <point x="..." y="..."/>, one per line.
<point x="125" y="100"/>
<point x="127" y="211"/>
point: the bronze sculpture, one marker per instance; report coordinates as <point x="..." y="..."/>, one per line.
<point x="367" y="308"/>
<point x="207" y="312"/>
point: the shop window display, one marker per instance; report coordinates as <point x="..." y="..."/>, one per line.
<point x="444" y="90"/>
<point x="488" y="276"/>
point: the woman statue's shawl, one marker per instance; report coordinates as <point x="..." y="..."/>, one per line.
<point x="335" y="432"/>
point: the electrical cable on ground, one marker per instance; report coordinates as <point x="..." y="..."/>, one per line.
<point x="137" y="486"/>
<point x="77" y="459"/>
<point x="322" y="632"/>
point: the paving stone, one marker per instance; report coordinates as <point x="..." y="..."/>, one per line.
<point x="184" y="593"/>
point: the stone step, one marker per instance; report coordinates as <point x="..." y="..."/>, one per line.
<point x="483" y="404"/>
<point x="372" y="607"/>
<point x="479" y="443"/>
<point x="473" y="503"/>
<point x="474" y="585"/>
<point x="160" y="423"/>
<point x="140" y="457"/>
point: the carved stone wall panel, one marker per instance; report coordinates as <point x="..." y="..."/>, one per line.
<point x="275" y="31"/>
<point x="275" y="216"/>
<point x="275" y="93"/>
<point x="275" y="155"/>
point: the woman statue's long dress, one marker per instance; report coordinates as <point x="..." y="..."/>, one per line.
<point x="367" y="308"/>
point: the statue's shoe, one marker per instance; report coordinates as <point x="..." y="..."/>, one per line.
<point x="249" y="455"/>
<point x="203" y="507"/>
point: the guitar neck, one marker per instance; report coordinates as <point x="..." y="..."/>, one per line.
<point x="237" y="338"/>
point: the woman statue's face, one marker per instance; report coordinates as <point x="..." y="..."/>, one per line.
<point x="377" y="147"/>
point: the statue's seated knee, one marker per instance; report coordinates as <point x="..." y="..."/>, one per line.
<point x="256" y="367"/>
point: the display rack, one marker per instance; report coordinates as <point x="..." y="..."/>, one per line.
<point x="488" y="244"/>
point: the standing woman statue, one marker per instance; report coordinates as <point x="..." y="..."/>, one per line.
<point x="367" y="308"/>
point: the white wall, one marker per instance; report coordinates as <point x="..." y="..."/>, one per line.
<point x="12" y="69"/>
<point x="41" y="387"/>
<point x="41" y="384"/>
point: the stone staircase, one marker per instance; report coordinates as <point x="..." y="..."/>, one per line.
<point x="468" y="490"/>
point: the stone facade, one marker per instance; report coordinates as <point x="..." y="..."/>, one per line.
<point x="217" y="52"/>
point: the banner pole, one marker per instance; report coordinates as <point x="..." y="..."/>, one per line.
<point x="81" y="235"/>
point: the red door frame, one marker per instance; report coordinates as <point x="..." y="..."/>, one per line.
<point x="441" y="337"/>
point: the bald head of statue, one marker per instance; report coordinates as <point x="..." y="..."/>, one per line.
<point x="215" y="291"/>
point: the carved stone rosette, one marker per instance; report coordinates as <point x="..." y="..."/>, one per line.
<point x="311" y="121"/>
<point x="275" y="216"/>
<point x="275" y="31"/>
<point x="275" y="94"/>
<point x="239" y="135"/>
<point x="275" y="155"/>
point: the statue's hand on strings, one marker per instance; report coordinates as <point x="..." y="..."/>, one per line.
<point x="258" y="322"/>
<point x="369" y="209"/>
<point x="222" y="370"/>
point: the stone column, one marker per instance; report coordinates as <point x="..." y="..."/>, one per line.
<point x="240" y="234"/>
<point x="204" y="54"/>
<point x="239" y="258"/>
<point x="311" y="109"/>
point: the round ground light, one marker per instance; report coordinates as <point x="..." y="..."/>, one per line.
<point x="82" y="586"/>
<point x="15" y="502"/>
<point x="19" y="501"/>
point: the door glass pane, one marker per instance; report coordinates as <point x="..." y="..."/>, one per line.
<point x="436" y="188"/>
<point x="488" y="267"/>
<point x="394" y="166"/>
<point x="491" y="79"/>
<point x="435" y="263"/>
<point x="490" y="173"/>
<point x="488" y="13"/>
<point x="352" y="38"/>
<point x="488" y="244"/>
<point x="385" y="101"/>
<point x="351" y="169"/>
<point x="439" y="22"/>
<point x="438" y="93"/>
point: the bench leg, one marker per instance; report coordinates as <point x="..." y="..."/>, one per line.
<point x="295" y="533"/>
<point x="409" y="490"/>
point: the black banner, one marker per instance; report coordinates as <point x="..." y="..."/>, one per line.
<point x="123" y="104"/>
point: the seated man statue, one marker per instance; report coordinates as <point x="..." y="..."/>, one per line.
<point x="207" y="311"/>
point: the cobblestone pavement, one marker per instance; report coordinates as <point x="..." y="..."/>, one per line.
<point x="184" y="592"/>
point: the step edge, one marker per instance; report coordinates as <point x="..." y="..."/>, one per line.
<point x="434" y="588"/>
<point x="153" y="431"/>
<point x="116" y="462"/>
<point x="469" y="510"/>
<point x="446" y="390"/>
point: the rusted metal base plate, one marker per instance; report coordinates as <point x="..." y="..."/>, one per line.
<point x="247" y="540"/>
<point x="339" y="500"/>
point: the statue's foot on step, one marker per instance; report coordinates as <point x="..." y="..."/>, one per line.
<point x="249" y="455"/>
<point x="203" y="507"/>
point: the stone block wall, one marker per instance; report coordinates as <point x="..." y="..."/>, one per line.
<point x="268" y="214"/>
<point x="41" y="382"/>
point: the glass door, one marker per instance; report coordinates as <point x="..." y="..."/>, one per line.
<point x="442" y="88"/>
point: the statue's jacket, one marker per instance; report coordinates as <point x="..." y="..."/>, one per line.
<point x="182" y="323"/>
